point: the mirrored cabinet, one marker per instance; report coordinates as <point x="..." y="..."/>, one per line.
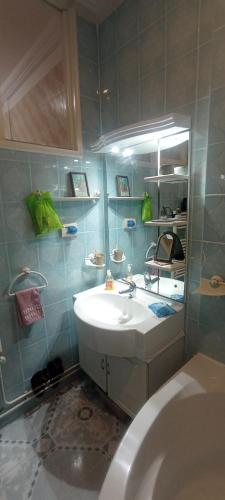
<point x="149" y="157"/>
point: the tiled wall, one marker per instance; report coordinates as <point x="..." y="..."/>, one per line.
<point x="61" y="261"/>
<point x="167" y="55"/>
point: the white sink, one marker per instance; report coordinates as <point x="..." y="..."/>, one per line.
<point x="108" y="310"/>
<point x="113" y="324"/>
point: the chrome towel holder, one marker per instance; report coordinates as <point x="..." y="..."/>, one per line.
<point x="24" y="273"/>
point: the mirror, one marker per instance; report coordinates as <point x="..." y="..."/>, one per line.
<point x="39" y="100"/>
<point x="134" y="239"/>
<point x="145" y="164"/>
<point x="174" y="154"/>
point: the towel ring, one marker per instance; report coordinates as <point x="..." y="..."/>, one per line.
<point x="25" y="272"/>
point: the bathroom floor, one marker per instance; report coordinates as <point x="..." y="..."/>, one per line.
<point x="62" y="449"/>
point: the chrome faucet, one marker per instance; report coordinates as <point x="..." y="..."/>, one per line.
<point x="131" y="288"/>
<point x="149" y="281"/>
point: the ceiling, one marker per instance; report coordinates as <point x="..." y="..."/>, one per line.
<point x="97" y="10"/>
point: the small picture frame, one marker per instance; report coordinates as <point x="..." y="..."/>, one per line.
<point x="79" y="184"/>
<point x="122" y="185"/>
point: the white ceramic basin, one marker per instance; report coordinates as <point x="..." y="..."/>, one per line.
<point x="108" y="311"/>
<point x="113" y="324"/>
<point x="175" y="447"/>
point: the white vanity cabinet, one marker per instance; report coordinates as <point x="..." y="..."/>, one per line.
<point x="129" y="382"/>
<point x="128" y="360"/>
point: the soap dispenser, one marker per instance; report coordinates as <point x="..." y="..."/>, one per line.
<point x="109" y="283"/>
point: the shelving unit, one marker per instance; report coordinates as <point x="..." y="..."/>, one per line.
<point x="167" y="178"/>
<point x="174" y="223"/>
<point x="174" y="266"/>
<point x="176" y="269"/>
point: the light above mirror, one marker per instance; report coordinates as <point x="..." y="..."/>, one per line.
<point x="143" y="137"/>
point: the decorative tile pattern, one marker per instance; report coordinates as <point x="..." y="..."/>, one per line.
<point x="62" y="449"/>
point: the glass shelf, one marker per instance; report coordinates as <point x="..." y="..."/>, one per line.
<point x="120" y="198"/>
<point x="167" y="178"/>
<point x="77" y="198"/>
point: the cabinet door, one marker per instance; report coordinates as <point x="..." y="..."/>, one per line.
<point x="127" y="383"/>
<point x="94" y="364"/>
<point x="39" y="79"/>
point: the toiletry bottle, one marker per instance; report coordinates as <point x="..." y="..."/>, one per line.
<point x="129" y="276"/>
<point x="109" y="283"/>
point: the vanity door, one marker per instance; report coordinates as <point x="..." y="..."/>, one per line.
<point x="127" y="383"/>
<point x="94" y="364"/>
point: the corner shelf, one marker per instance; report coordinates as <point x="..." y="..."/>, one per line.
<point x="114" y="198"/>
<point x="89" y="263"/>
<point x="118" y="261"/>
<point x="76" y="198"/>
<point x="174" y="266"/>
<point x="167" y="178"/>
<point x="172" y="223"/>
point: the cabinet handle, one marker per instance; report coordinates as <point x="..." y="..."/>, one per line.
<point x="102" y="364"/>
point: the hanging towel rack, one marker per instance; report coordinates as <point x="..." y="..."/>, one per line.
<point x="24" y="273"/>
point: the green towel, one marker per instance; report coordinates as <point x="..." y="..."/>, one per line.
<point x="147" y="211"/>
<point x="42" y="212"/>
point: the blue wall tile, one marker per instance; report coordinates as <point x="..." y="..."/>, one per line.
<point x="15" y="180"/>
<point x="34" y="357"/>
<point x="59" y="345"/>
<point x="126" y="15"/>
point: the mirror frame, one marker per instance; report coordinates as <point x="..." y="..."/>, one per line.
<point x="69" y="22"/>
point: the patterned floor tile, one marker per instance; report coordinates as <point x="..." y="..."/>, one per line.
<point x="62" y="449"/>
<point x="18" y="463"/>
<point x="71" y="475"/>
<point x="27" y="428"/>
<point x="81" y="419"/>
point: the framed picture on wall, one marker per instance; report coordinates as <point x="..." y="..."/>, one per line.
<point x="122" y="185"/>
<point x="79" y="184"/>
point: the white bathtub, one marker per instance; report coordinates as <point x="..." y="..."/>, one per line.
<point x="175" y="447"/>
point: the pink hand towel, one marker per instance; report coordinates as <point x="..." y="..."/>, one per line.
<point x="28" y="306"/>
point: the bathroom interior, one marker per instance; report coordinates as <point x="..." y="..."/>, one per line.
<point x="112" y="249"/>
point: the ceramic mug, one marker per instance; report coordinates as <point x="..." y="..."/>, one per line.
<point x="97" y="258"/>
<point x="117" y="254"/>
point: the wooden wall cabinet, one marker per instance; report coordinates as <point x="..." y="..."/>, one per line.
<point x="39" y="78"/>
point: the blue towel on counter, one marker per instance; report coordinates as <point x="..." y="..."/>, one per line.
<point x="161" y="309"/>
<point x="178" y="297"/>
